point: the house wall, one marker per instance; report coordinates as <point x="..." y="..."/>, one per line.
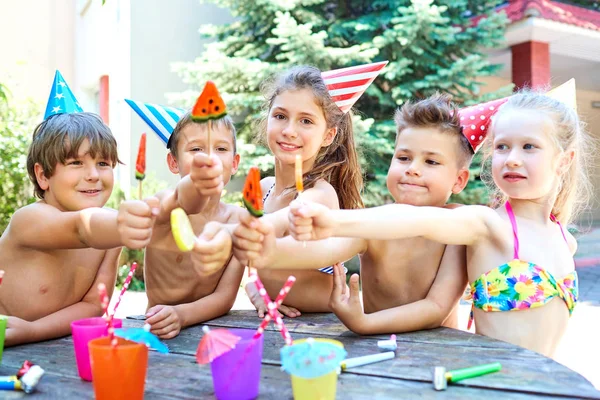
<point x="162" y="33"/>
<point x="37" y="40"/>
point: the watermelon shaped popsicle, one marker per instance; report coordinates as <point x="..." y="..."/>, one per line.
<point x="140" y="164"/>
<point x="253" y="199"/>
<point x="253" y="194"/>
<point x="208" y="107"/>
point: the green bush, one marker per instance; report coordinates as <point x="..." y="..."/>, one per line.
<point x="17" y="121"/>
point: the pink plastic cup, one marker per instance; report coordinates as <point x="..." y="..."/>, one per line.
<point x="236" y="374"/>
<point x="83" y="331"/>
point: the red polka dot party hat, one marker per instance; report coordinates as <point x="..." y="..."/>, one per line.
<point x="475" y="121"/>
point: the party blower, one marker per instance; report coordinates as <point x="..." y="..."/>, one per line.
<point x="441" y="377"/>
<point x="26" y="379"/>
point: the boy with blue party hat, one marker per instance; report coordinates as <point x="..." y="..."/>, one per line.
<point x="57" y="250"/>
<point x="61" y="99"/>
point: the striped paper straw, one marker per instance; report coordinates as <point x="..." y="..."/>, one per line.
<point x="104" y="301"/>
<point x="272" y="307"/>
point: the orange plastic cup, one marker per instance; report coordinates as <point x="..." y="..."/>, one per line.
<point x="118" y="372"/>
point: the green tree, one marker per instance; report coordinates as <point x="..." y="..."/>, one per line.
<point x="431" y="46"/>
<point x="16" y="125"/>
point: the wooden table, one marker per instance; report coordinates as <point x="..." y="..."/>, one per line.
<point x="524" y="374"/>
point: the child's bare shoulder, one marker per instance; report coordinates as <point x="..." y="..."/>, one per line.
<point x="266" y="184"/>
<point x="322" y="192"/>
<point x="28" y="215"/>
<point x="164" y="193"/>
<point x="232" y="213"/>
<point x="33" y="210"/>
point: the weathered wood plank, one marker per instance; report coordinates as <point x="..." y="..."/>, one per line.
<point x="523" y="370"/>
<point x="408" y="375"/>
<point x="327" y="324"/>
<point x="177" y="376"/>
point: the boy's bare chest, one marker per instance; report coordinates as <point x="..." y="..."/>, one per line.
<point x="399" y="272"/>
<point x="171" y="275"/>
<point x="48" y="281"/>
<point x="172" y="278"/>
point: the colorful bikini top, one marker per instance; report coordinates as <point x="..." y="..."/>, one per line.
<point x="519" y="285"/>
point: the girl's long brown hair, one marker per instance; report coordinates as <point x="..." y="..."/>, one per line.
<point x="336" y="163"/>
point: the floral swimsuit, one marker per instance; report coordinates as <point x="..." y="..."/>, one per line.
<point x="520" y="285"/>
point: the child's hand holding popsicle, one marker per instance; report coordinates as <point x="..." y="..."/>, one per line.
<point x="207" y="174"/>
<point x="253" y="241"/>
<point x="135" y="220"/>
<point x="311" y="221"/>
<point x="213" y="248"/>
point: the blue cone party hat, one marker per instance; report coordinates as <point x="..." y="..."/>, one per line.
<point x="161" y="119"/>
<point x="61" y="99"/>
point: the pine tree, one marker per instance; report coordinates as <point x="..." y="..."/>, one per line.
<point x="431" y="46"/>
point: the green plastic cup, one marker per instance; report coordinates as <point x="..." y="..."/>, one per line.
<point x="3" y="322"/>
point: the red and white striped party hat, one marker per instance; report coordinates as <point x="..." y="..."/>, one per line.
<point x="475" y="121"/>
<point x="346" y="85"/>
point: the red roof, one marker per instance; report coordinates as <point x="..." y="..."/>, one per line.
<point x="517" y="10"/>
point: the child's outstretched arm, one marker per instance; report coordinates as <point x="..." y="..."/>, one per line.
<point x="41" y="226"/>
<point x="204" y="180"/>
<point x="254" y="240"/>
<point x="322" y="193"/>
<point x="428" y="313"/>
<point x="167" y="321"/>
<point x="463" y="225"/>
<point x="58" y="323"/>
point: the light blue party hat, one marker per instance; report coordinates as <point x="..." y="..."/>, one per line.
<point x="61" y="99"/>
<point x="161" y="119"/>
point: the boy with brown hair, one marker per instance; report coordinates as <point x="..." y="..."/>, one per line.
<point x="188" y="288"/>
<point x="407" y="284"/>
<point x="56" y="251"/>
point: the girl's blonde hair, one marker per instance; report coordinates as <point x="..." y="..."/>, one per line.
<point x="337" y="163"/>
<point x="568" y="133"/>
